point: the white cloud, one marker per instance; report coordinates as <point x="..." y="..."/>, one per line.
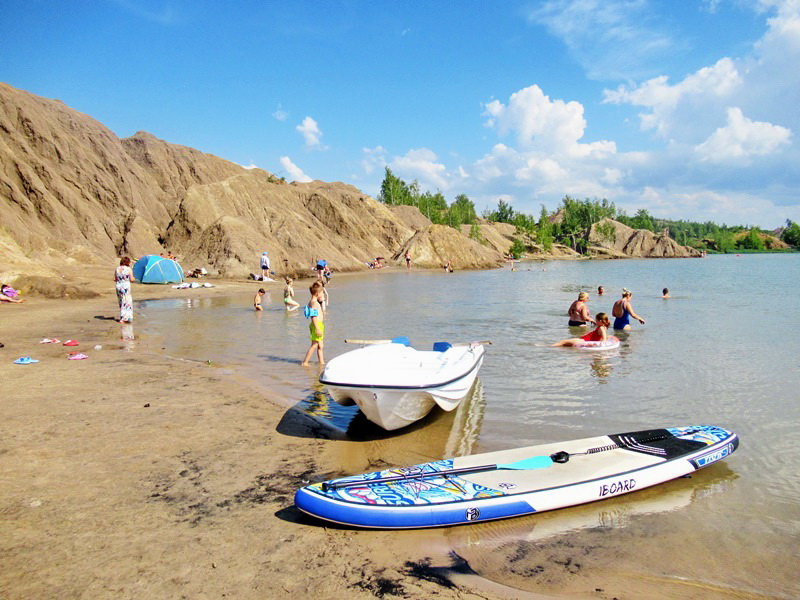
<point x="295" y="172"/>
<point x="311" y="134"/>
<point x="722" y="147"/>
<point x="700" y="94"/>
<point x="421" y="164"/>
<point x="611" y="39"/>
<point x="742" y="138"/>
<point x="543" y="124"/>
<point x="373" y="158"/>
<point x="280" y="114"/>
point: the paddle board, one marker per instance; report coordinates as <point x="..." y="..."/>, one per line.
<point x="516" y="482"/>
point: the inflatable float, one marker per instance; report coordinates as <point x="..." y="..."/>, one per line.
<point x="611" y="342"/>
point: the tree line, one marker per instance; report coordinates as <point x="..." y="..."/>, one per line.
<point x="571" y="222"/>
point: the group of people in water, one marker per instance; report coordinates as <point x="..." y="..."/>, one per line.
<point x="622" y="311"/>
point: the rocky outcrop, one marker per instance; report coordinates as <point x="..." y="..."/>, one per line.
<point x="612" y="239"/>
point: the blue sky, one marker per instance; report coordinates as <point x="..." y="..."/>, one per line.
<point x="688" y="109"/>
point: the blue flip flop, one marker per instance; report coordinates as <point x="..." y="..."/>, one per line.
<point x="25" y="360"/>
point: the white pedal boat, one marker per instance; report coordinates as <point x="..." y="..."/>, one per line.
<point x="395" y="385"/>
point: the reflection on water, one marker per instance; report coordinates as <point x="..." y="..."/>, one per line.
<point x="458" y="430"/>
<point x="128" y="339"/>
<point x="618" y="512"/>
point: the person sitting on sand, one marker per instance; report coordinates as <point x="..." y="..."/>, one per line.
<point x="623" y="310"/>
<point x="9" y="294"/>
<point x="313" y="311"/>
<point x="665" y="293"/>
<point x="288" y="295"/>
<point x="257" y="300"/>
<point x="578" y="312"/>
<point x="600" y="334"/>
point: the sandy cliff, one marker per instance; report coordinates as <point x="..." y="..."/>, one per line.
<point x="627" y="242"/>
<point x="72" y="192"/>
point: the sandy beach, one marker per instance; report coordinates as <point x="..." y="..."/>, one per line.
<point x="146" y="472"/>
<point x="134" y="474"/>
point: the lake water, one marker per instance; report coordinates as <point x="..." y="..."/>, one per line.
<point x="724" y="350"/>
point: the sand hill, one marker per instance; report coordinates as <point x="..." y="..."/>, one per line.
<point x="73" y="193"/>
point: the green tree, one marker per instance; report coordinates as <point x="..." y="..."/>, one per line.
<point x="393" y="190"/>
<point x="752" y="241"/>
<point x="643" y="220"/>
<point x="517" y="248"/>
<point x="791" y="235"/>
<point x="463" y="209"/>
<point x="503" y="214"/>
<point x="544" y="230"/>
<point x="475" y="233"/>
<point x="723" y="240"/>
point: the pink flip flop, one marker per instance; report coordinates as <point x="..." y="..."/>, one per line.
<point x="77" y="356"/>
<point x="70" y="343"/>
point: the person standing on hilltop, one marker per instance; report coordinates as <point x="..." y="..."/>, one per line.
<point x="123" y="276"/>
<point x="623" y="310"/>
<point x="264" y="266"/>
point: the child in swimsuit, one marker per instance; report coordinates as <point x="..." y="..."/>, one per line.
<point x="600" y="334"/>
<point x="288" y="295"/>
<point x="316" y="328"/>
<point x="257" y="299"/>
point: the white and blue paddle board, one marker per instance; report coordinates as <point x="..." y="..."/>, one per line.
<point x="511" y="483"/>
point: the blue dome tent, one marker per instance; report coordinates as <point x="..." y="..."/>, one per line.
<point x="157" y="269"/>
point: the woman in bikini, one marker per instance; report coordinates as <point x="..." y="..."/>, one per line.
<point x="578" y="312"/>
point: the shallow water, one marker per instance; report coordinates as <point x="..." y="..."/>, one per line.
<point x="722" y="350"/>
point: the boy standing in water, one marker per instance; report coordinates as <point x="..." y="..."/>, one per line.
<point x="257" y="299"/>
<point x="313" y="311"/>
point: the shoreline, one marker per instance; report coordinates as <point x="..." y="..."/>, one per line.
<point x="138" y="475"/>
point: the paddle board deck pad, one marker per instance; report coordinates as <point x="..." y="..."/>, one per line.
<point x="516" y="482"/>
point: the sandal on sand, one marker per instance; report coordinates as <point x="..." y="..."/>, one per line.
<point x="77" y="356"/>
<point x="49" y="341"/>
<point x="70" y="343"/>
<point x="25" y="360"/>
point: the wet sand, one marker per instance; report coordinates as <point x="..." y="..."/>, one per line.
<point x="131" y="474"/>
<point x="136" y="474"/>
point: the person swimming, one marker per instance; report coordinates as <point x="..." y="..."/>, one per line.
<point x="623" y="311"/>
